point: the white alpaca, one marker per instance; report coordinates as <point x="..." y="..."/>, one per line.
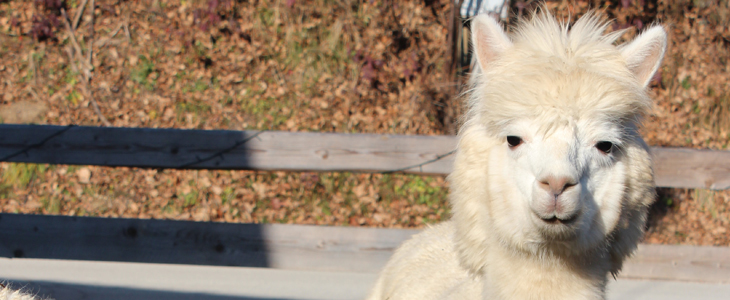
<point x="551" y="179"/>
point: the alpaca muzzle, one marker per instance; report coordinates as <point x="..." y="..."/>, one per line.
<point x="557" y="200"/>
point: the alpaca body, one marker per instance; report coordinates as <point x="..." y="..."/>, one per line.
<point x="428" y="259"/>
<point x="551" y="179"/>
<point x="431" y="260"/>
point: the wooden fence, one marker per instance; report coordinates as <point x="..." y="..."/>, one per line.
<point x="293" y="151"/>
<point x="285" y="246"/>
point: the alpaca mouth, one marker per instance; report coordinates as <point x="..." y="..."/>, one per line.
<point x="565" y="221"/>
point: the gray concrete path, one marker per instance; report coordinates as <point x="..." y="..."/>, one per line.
<point x="73" y="280"/>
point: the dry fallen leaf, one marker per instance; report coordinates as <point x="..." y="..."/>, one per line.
<point x="84" y="175"/>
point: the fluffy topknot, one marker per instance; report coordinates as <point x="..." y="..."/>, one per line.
<point x="554" y="72"/>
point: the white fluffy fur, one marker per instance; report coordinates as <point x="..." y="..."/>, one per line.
<point x="562" y="91"/>
<point x="7" y="293"/>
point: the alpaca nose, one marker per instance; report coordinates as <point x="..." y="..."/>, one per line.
<point x="556" y="185"/>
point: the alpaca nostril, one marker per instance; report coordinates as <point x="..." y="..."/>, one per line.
<point x="569" y="185"/>
<point x="544" y="185"/>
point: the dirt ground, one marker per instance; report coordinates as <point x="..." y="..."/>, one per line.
<point x="371" y="66"/>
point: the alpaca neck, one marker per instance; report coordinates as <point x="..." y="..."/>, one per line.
<point x="513" y="275"/>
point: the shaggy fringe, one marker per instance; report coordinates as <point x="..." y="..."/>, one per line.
<point x="571" y="48"/>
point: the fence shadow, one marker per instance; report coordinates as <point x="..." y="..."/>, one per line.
<point x="132" y="240"/>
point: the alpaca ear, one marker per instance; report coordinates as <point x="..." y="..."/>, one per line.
<point x="488" y="38"/>
<point x="644" y="54"/>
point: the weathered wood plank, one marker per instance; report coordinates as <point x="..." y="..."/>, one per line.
<point x="221" y="149"/>
<point x="81" y="280"/>
<point x="293" y="247"/>
<point x="298" y="247"/>
<point x="690" y="168"/>
<point x="679" y="262"/>
<point x="293" y="151"/>
<point x="85" y="280"/>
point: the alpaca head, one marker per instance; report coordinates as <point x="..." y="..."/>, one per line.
<point x="549" y="156"/>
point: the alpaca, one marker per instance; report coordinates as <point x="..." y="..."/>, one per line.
<point x="551" y="181"/>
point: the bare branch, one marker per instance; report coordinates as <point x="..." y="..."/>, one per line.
<point x="90" y="51"/>
<point x="71" y="34"/>
<point x="79" y="14"/>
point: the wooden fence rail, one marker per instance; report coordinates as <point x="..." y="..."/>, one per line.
<point x="293" y="151"/>
<point x="281" y="246"/>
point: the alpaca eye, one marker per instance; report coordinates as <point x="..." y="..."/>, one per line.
<point x="513" y="141"/>
<point x="605" y="147"/>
